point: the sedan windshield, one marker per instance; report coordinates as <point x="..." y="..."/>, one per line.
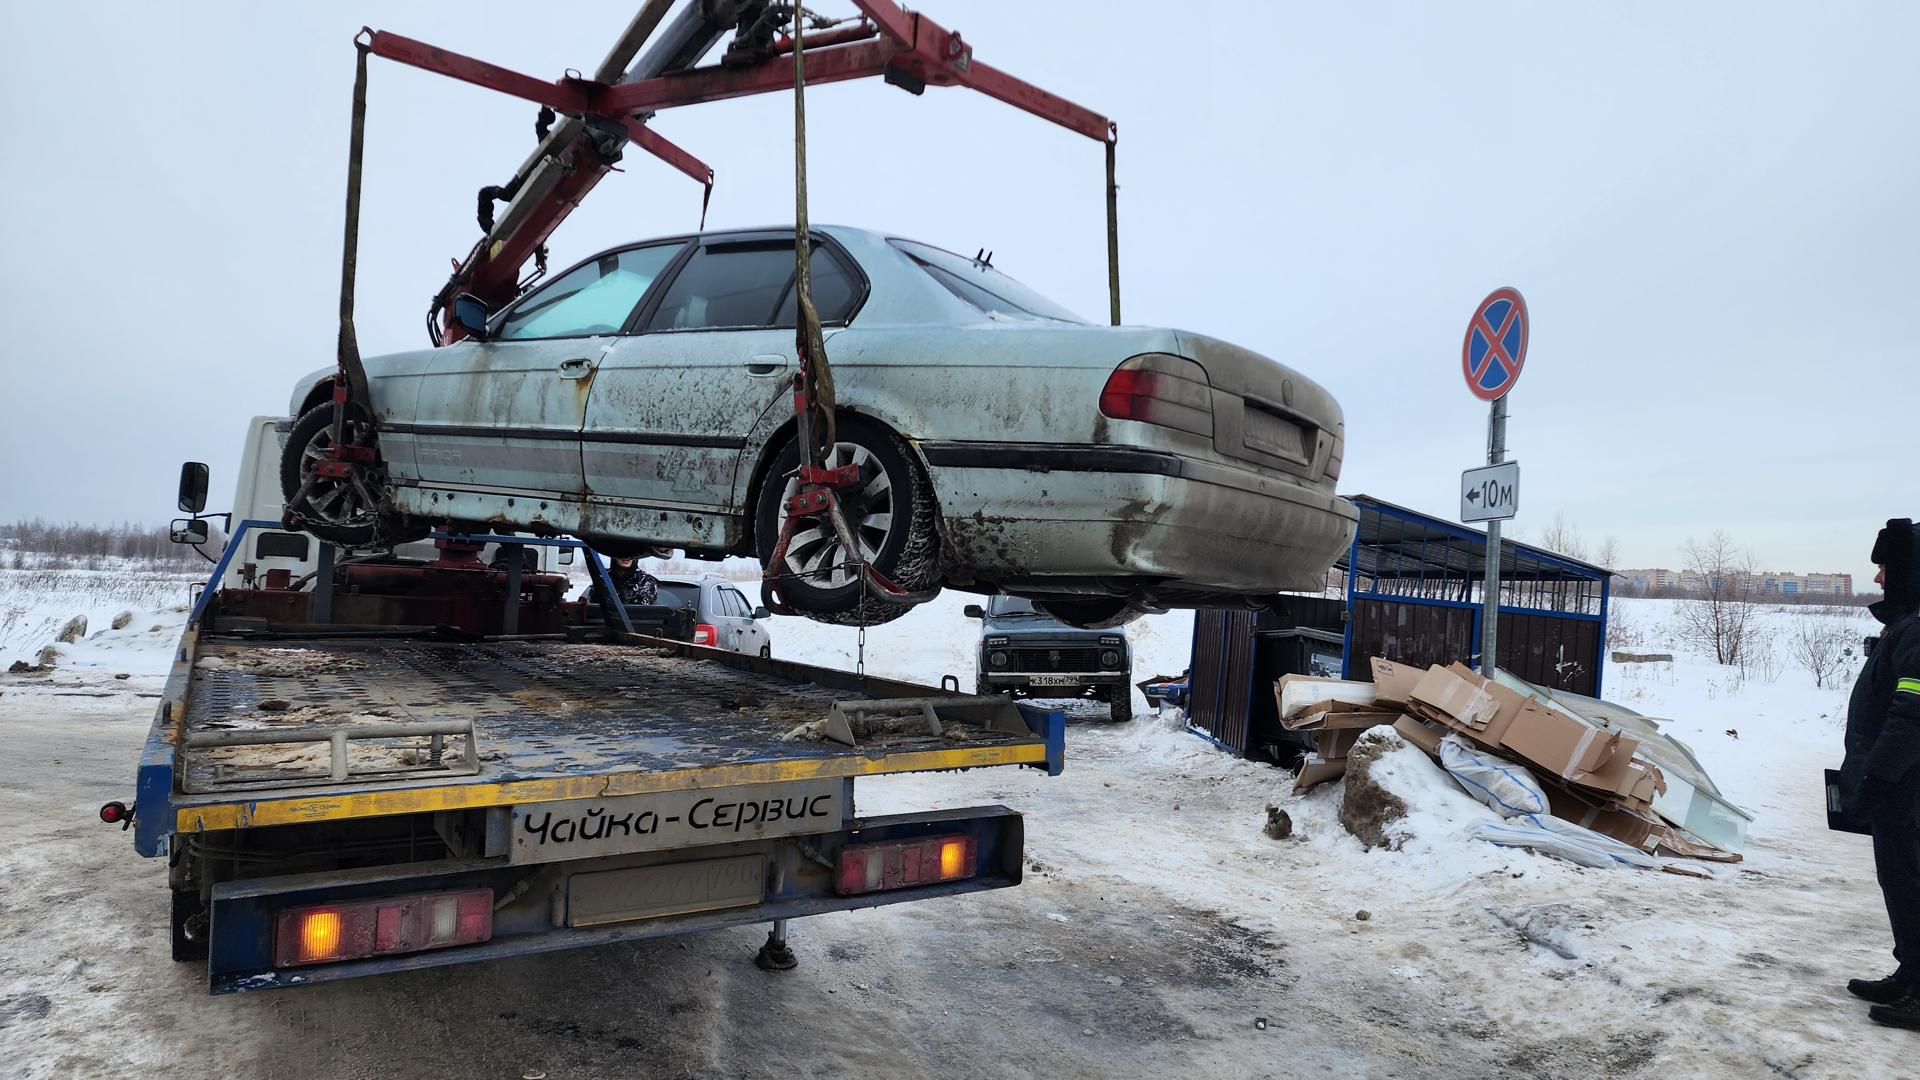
<point x="984" y="287"/>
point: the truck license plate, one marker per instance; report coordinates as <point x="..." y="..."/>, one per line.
<point x="584" y="828"/>
<point x="1052" y="680"/>
<point x="646" y="892"/>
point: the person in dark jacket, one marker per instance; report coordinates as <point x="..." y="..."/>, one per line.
<point x="635" y="586"/>
<point x="1880" y="778"/>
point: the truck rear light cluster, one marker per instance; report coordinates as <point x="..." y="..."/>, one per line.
<point x="901" y="865"/>
<point x="401" y="924"/>
<point x="1159" y="389"/>
<point x="705" y="634"/>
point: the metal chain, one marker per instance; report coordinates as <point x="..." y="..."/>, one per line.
<point x="860" y="656"/>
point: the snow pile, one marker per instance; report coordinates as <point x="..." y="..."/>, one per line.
<point x="1394" y="794"/>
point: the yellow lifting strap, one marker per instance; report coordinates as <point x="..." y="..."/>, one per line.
<point x="809" y="341"/>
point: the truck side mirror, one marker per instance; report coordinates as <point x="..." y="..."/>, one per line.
<point x="974" y="611"/>
<point x="189" y="530"/>
<point x="471" y="313"/>
<point x="566" y="556"/>
<point x="193" y="488"/>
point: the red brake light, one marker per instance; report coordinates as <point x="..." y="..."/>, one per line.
<point x="705" y="634"/>
<point x="1126" y="394"/>
<point x="401" y="924"/>
<point x="878" y="867"/>
<point x="1159" y="389"/>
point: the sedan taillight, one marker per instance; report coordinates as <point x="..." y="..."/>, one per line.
<point x="1160" y="389"/>
<point x="705" y="634"/>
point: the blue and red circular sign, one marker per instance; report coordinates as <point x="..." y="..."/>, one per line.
<point x="1496" y="345"/>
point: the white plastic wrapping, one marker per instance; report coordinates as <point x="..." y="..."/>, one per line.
<point x="1512" y="792"/>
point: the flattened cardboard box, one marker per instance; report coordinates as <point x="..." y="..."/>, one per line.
<point x="1314" y="772"/>
<point x="1562" y="745"/>
<point x="1339" y="715"/>
<point x="1466" y="704"/>
<point x="1508" y="704"/>
<point x="1625" y="824"/>
<point x="1333" y="743"/>
<point x="1295" y="694"/>
<point x="1624" y="777"/>
<point x="1393" y="682"/>
<point x="1633" y="782"/>
<point x="1422" y="733"/>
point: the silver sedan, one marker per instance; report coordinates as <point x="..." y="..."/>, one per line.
<point x="1005" y="445"/>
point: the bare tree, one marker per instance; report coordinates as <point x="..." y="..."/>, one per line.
<point x="1564" y="537"/>
<point x="1720" y="618"/>
<point x="1608" y="554"/>
<point x="1824" y="646"/>
<point x="1757" y="656"/>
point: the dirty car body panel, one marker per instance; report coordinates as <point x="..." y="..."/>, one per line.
<point x="1214" y="480"/>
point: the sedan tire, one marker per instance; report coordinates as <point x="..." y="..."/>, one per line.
<point x="335" y="511"/>
<point x="890" y="512"/>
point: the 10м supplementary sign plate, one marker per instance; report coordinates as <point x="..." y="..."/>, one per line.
<point x="1490" y="492"/>
<point x="583" y="828"/>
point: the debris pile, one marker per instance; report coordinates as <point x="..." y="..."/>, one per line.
<point x="1594" y="765"/>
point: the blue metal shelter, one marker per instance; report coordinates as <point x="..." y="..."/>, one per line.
<point x="1415" y="586"/>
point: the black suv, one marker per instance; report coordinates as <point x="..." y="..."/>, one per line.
<point x="1027" y="654"/>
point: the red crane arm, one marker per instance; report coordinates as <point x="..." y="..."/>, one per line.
<point x="907" y="48"/>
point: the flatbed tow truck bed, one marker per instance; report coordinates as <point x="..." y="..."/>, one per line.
<point x="325" y="795"/>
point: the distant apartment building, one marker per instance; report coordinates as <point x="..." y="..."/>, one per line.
<point x="1657" y="581"/>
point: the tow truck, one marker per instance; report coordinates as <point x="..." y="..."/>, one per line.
<point x="402" y="763"/>
<point x="391" y="763"/>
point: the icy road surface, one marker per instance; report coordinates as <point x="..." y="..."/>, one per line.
<point x="1157" y="927"/>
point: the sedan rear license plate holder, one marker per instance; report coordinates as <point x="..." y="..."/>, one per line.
<point x="649" y="892"/>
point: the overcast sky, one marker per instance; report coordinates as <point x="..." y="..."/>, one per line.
<point x="1710" y="207"/>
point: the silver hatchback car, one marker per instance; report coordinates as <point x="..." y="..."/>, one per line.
<point x="1005" y="445"/>
<point x="723" y="617"/>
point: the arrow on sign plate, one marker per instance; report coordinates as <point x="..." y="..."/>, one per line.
<point x="1474" y="495"/>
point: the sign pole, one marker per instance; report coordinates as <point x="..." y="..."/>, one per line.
<point x="1490" y="586"/>
<point x="1491" y="356"/>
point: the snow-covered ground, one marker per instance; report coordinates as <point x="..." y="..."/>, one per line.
<point x="35" y="603"/>
<point x="1471" y="961"/>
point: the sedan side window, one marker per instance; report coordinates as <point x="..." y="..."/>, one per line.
<point x="730" y="287"/>
<point x="834" y="292"/>
<point x="592" y="299"/>
<point x="741" y="609"/>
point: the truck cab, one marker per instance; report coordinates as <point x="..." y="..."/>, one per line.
<point x="1024" y="653"/>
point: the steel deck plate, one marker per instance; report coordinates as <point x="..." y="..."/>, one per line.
<point x="542" y="711"/>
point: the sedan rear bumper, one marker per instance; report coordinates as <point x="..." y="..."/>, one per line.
<point x="1108" y="511"/>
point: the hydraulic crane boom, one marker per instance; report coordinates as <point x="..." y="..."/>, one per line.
<point x="601" y="114"/>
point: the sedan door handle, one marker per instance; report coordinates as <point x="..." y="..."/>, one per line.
<point x="577" y="368"/>
<point x="761" y="367"/>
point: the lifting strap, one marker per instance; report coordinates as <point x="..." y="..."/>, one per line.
<point x="808" y="340"/>
<point x="351" y="379"/>
<point x="1113" y="230"/>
